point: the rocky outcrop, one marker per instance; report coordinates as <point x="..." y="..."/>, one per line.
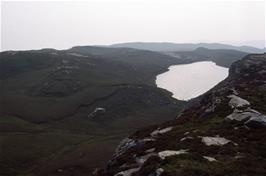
<point x="220" y="133"/>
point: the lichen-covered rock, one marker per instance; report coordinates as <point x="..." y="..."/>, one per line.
<point x="219" y="141"/>
<point x="128" y="172"/>
<point x="242" y="115"/>
<point x="167" y="153"/>
<point x="257" y="120"/>
<point x="161" y="131"/>
<point x="211" y="159"/>
<point x="237" y="102"/>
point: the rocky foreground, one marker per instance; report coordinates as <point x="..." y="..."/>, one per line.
<point x="223" y="132"/>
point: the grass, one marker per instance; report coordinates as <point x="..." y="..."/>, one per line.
<point x="193" y="164"/>
<point x="73" y="142"/>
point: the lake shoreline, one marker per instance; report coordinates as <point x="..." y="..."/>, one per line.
<point x="193" y="78"/>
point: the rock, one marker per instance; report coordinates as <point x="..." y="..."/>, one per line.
<point x="237" y="115"/>
<point x="128" y="143"/>
<point x="128" y="172"/>
<point x="161" y="131"/>
<point x="159" y="171"/>
<point x="167" y="153"/>
<point x="257" y="121"/>
<point x="186" y="133"/>
<point x="96" y="111"/>
<point x="142" y="159"/>
<point x="60" y="170"/>
<point x="252" y="117"/>
<point x="219" y="141"/>
<point x="237" y="102"/>
<point x="185" y="138"/>
<point x="211" y="159"/>
<point x="148" y="140"/>
<point x="240" y="115"/>
<point x="99" y="110"/>
<point x="124" y="145"/>
<point x="150" y="150"/>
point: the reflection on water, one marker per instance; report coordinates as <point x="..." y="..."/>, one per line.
<point x="191" y="80"/>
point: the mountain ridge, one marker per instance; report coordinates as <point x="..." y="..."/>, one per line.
<point x="167" y="46"/>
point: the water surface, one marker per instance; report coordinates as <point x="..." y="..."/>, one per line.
<point x="191" y="80"/>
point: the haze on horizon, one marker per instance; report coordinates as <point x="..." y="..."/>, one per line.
<point x="29" y="25"/>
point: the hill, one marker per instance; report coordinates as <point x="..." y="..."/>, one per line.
<point x="40" y="76"/>
<point x="220" y="133"/>
<point x="165" y="46"/>
<point x="222" y="57"/>
<point x="150" y="59"/>
<point x="58" y="107"/>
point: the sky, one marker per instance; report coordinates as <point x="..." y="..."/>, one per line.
<point x="62" y="24"/>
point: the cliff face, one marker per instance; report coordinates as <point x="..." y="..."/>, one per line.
<point x="222" y="132"/>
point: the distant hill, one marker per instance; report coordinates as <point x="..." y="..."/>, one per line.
<point x="125" y="55"/>
<point x="222" y="57"/>
<point x="165" y="46"/>
<point x="149" y="59"/>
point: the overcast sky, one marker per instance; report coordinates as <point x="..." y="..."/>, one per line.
<point x="34" y="25"/>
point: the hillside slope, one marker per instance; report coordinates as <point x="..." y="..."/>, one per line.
<point x="220" y="133"/>
<point x="48" y="81"/>
<point x="58" y="107"/>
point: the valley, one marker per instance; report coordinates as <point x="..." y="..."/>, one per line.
<point x="132" y="88"/>
<point x="63" y="112"/>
